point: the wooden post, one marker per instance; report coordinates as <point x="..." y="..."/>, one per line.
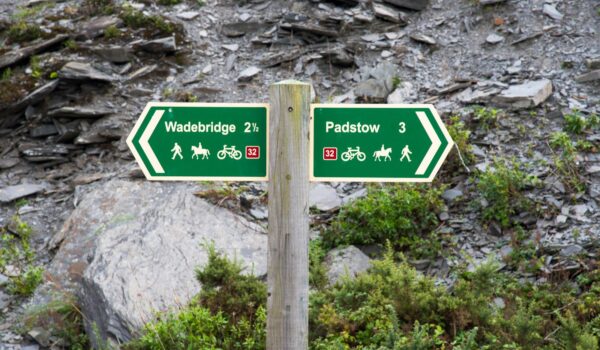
<point x="287" y="306"/>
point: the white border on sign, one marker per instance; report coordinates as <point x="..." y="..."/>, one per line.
<point x="376" y="179"/>
<point x="140" y="162"/>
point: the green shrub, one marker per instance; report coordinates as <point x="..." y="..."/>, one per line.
<point x="62" y="318"/>
<point x="111" y="32"/>
<point x="565" y="162"/>
<point x="26" y="283"/>
<point x="22" y="32"/>
<point x="317" y="272"/>
<point x="16" y="251"/>
<point x="486" y="117"/>
<point x="229" y="313"/>
<point x="575" y="123"/>
<point x="392" y="307"/>
<point x="136" y="19"/>
<point x="225" y="288"/>
<point x="460" y="135"/>
<point x="501" y="186"/>
<point x="403" y="214"/>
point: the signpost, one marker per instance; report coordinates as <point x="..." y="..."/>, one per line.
<point x="202" y="141"/>
<point x="383" y="143"/>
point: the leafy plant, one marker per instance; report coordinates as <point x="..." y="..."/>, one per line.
<point x="26" y="283"/>
<point x="403" y="214"/>
<point x="36" y="69"/>
<point x="6" y="74"/>
<point x="486" y="117"/>
<point x="112" y="32"/>
<point x="317" y="272"/>
<point x="501" y="186"/>
<point x="577" y="124"/>
<point x="229" y="313"/>
<point x="22" y="32"/>
<point x="62" y="318"/>
<point x="566" y="162"/>
<point x="136" y="19"/>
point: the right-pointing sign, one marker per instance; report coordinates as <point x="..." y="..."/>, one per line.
<point x="379" y="143"/>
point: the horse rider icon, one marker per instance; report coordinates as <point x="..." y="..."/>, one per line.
<point x="406" y="154"/>
<point x="176" y="151"/>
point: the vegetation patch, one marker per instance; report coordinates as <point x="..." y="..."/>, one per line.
<point x="392" y="307"/>
<point x="502" y="186"/>
<point x="153" y="24"/>
<point x="564" y="157"/>
<point x="23" y="32"/>
<point x="406" y="215"/>
<point x="229" y="313"/>
<point x="61" y="318"/>
<point x="16" y="255"/>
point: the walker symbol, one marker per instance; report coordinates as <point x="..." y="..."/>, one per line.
<point x="176" y="151"/>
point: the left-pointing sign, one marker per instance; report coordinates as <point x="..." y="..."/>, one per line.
<point x="202" y="141"/>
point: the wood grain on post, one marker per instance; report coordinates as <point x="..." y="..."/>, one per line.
<point x="287" y="306"/>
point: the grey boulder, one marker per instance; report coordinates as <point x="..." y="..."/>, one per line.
<point x="527" y="95"/>
<point x="130" y="249"/>
<point x="349" y="261"/>
<point x="11" y="193"/>
<point x="83" y="71"/>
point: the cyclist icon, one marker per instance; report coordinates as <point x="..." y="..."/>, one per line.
<point x="230" y="152"/>
<point x="352" y="153"/>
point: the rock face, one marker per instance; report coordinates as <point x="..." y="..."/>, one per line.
<point x="11" y="193"/>
<point x="349" y="260"/>
<point x="526" y="95"/>
<point x="137" y="244"/>
<point x="82" y="71"/>
<point x="409" y="4"/>
<point x="324" y="198"/>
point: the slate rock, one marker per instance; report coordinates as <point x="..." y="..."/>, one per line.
<point x="115" y="53"/>
<point x="162" y="45"/>
<point x="11" y="193"/>
<point x="571" y="250"/>
<point x="34" y="97"/>
<point x="590" y="76"/>
<point x="552" y="12"/>
<point x="248" y="74"/>
<point x="95" y="27"/>
<point x="404" y="93"/>
<point x="349" y="261"/>
<point x="422" y="38"/>
<point x="390" y="14"/>
<point x="417" y="5"/>
<point x="527" y="95"/>
<point x="78" y="112"/>
<point x="324" y="198"/>
<point x="188" y="15"/>
<point x="83" y="71"/>
<point x="132" y="247"/>
<point x="451" y="194"/>
<point x="15" y="56"/>
<point x="494" y="39"/>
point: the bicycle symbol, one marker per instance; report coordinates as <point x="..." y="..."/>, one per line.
<point x="230" y="152"/>
<point x="351" y="153"/>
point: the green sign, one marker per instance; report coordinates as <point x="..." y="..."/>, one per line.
<point x="202" y="141"/>
<point x="392" y="143"/>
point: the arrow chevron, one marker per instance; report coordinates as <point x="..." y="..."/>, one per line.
<point x="435" y="143"/>
<point x="144" y="141"/>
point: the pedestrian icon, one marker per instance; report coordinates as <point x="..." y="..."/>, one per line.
<point x="352" y="153"/>
<point x="406" y="154"/>
<point x="230" y="152"/>
<point x="199" y="151"/>
<point x="383" y="152"/>
<point x="176" y="151"/>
